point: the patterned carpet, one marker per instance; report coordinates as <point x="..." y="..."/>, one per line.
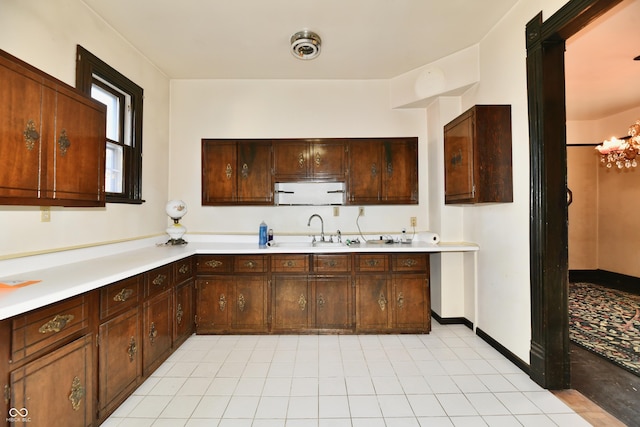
<point x="606" y="322"/>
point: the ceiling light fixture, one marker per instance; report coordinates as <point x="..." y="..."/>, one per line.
<point x="305" y="44"/>
<point x="622" y="152"/>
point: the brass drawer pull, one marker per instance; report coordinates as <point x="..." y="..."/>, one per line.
<point x="382" y="301"/>
<point x="302" y="302"/>
<point x="371" y="262"/>
<point x="184" y="269"/>
<point x="409" y="262"/>
<point x="77" y="393"/>
<point x="222" y="302"/>
<point x="123" y="295"/>
<point x="132" y="349"/>
<point x="31" y="135"/>
<point x="241" y="302"/>
<point x="289" y="263"/>
<point x="179" y="314"/>
<point x="153" y="333"/>
<point x="251" y="264"/>
<point x="159" y="280"/>
<point x="56" y="324"/>
<point x="400" y="300"/>
<point x="214" y="263"/>
<point x="331" y="263"/>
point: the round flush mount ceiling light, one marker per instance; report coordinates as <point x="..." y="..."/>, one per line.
<point x="305" y="44"/>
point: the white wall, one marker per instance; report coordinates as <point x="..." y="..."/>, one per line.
<point x="45" y="34"/>
<point x="286" y="109"/>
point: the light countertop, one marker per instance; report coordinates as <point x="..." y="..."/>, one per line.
<point x="58" y="281"/>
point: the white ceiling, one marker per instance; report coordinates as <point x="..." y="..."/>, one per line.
<point x="361" y="39"/>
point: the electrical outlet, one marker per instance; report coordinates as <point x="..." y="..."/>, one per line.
<point x="413" y="221"/>
<point x="336" y="211"/>
<point x="361" y="211"/>
<point x="45" y="214"/>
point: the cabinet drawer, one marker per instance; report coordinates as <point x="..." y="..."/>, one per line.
<point x="250" y="264"/>
<point x="119" y="296"/>
<point x="183" y="269"/>
<point x="290" y="263"/>
<point x="410" y="262"/>
<point x="49" y="326"/>
<point x="329" y="263"/>
<point x="372" y="262"/>
<point x="158" y="280"/>
<point x="214" y="263"/>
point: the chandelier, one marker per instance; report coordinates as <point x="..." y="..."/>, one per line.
<point x="622" y="152"/>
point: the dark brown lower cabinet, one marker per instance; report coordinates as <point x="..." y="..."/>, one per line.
<point x="184" y="312"/>
<point x="333" y="303"/>
<point x="119" y="360"/>
<point x="372" y="303"/>
<point x="156" y="331"/>
<point x="292" y="308"/>
<point x="411" y="302"/>
<point x="56" y="389"/>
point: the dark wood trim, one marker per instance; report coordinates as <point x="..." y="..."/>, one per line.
<point x="452" y="320"/>
<point x="549" y="353"/>
<point x="504" y="351"/>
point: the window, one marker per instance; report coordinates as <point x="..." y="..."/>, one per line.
<point x="123" y="98"/>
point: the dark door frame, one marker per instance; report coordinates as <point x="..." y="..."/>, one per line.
<point x="548" y="230"/>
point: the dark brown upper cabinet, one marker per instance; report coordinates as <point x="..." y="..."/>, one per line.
<point x="477" y="156"/>
<point x="310" y="160"/>
<point x="52" y="140"/>
<point x="236" y="172"/>
<point x="383" y="171"/>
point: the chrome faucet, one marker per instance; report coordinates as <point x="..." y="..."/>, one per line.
<point x="321" y="226"/>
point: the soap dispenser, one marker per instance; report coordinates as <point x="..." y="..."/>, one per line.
<point x="263" y="235"/>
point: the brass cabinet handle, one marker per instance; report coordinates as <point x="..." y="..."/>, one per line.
<point x="123" y="295"/>
<point x="132" y="349"/>
<point x="245" y="171"/>
<point x="301" y="160"/>
<point x="31" y="135"/>
<point x="179" y="314"/>
<point x="213" y="263"/>
<point x="318" y="159"/>
<point x="222" y="302"/>
<point x="77" y="393"/>
<point x="289" y="263"/>
<point x="302" y="302"/>
<point x="374" y="169"/>
<point x="409" y="262"/>
<point x="320" y="302"/>
<point x="184" y="268"/>
<point x="56" y="324"/>
<point x="390" y="168"/>
<point x="228" y="171"/>
<point x="241" y="302"/>
<point x="251" y="264"/>
<point x="372" y="262"/>
<point x="159" y="280"/>
<point x="63" y="142"/>
<point x="331" y="263"/>
<point x="400" y="300"/>
<point x="382" y="301"/>
<point x="153" y="333"/>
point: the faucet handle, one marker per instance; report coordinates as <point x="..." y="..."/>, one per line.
<point x="339" y="237"/>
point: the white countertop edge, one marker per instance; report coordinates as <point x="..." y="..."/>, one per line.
<point x="67" y="280"/>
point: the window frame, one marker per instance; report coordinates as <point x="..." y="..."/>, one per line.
<point x="88" y="66"/>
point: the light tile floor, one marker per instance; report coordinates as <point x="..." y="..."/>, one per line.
<point x="449" y="377"/>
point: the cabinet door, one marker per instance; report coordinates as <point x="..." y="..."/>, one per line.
<point x="119" y="360"/>
<point x="76" y="152"/>
<point x="212" y="306"/>
<point x="373" y="309"/>
<point x="184" y="312"/>
<point x="400" y="171"/>
<point x="57" y="388"/>
<point x="291" y="305"/>
<point x="255" y="185"/>
<point x="410" y="302"/>
<point x="219" y="171"/>
<point x="157" y="331"/>
<point x="21" y="130"/>
<point x="333" y="308"/>
<point x="328" y="160"/>
<point x="365" y="172"/>
<point x="290" y="160"/>
<point x="250" y="308"/>
<point x="459" y="160"/>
